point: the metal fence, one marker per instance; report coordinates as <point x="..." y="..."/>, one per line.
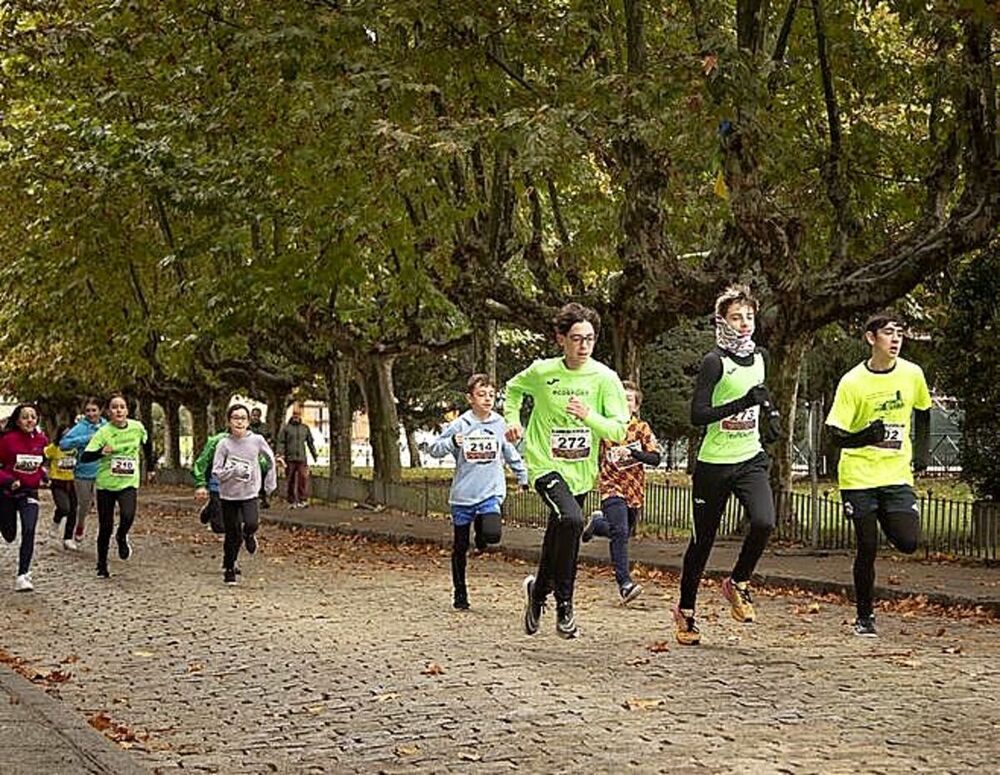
<point x="953" y="528"/>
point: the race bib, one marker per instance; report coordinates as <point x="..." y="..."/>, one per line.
<point x="741" y="422"/>
<point x="122" y="466"/>
<point x="893" y="436"/>
<point x="621" y="456"/>
<point x="570" y="444"/>
<point x="27" y="464"/>
<point x="481" y="447"/>
<point x="66" y="463"/>
<point x="242" y="468"/>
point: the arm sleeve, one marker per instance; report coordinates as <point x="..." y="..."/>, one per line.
<point x="92" y="452"/>
<point x="311" y="444"/>
<point x="281" y="440"/>
<point x="847" y="440"/>
<point x="200" y="468"/>
<point x="702" y="411"/>
<point x="444" y="444"/>
<point x="147" y="451"/>
<point x="650" y="453"/>
<point x="6" y="477"/>
<point x="513" y="458"/>
<point x="922" y="439"/>
<point x="73" y="439"/>
<point x="611" y="422"/>
<point x="271" y="477"/>
<point x="219" y="471"/>
<point x="517" y="387"/>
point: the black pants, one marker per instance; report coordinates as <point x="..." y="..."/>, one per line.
<point x="901" y="528"/>
<point x="241" y="519"/>
<point x="64" y="495"/>
<point x="106" y="502"/>
<point x="561" y="544"/>
<point x="25" y="504"/>
<point x="712" y="485"/>
<point x="617" y="523"/>
<point x="460" y="548"/>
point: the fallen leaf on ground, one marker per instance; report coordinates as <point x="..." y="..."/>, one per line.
<point x="640" y="703"/>
<point x="407" y="750"/>
<point x="433" y="668"/>
<point x="659" y="647"/>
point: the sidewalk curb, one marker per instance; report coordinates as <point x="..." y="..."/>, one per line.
<point x="815" y="586"/>
<point x="98" y="754"/>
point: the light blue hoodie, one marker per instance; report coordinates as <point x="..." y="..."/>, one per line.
<point x="479" y="461"/>
<point x="77" y="438"/>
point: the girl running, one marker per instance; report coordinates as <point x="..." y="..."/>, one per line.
<point x="85" y="474"/>
<point x="61" y="467"/>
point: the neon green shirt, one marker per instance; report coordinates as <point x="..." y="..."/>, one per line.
<point x="736" y="438"/>
<point x="120" y="468"/>
<point x="864" y="396"/>
<point x="555" y="441"/>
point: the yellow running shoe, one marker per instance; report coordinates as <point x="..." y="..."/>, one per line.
<point x="740" y="600"/>
<point x="685" y="628"/>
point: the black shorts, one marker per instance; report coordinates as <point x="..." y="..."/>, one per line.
<point x="891" y="499"/>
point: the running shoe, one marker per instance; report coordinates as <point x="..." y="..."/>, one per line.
<point x="588" y="529"/>
<point x="102" y="572"/>
<point x="461" y="603"/>
<point x="70" y="545"/>
<point x="229" y="577"/>
<point x="124" y="548"/>
<point x="685" y="628"/>
<point x="630" y="592"/>
<point x="23" y="583"/>
<point x="532" y="610"/>
<point x="740" y="600"/>
<point x="250" y="541"/>
<point x="565" y="621"/>
<point x="864" y="627"/>
<point x="78" y="534"/>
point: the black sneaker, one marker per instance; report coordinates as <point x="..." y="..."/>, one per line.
<point x="102" y="572"/>
<point x="565" y="621"/>
<point x="864" y="627"/>
<point x="229" y="577"/>
<point x="250" y="541"/>
<point x="630" y="592"/>
<point x="588" y="529"/>
<point x="265" y="503"/>
<point x="461" y="604"/>
<point x="532" y="610"/>
<point x="124" y="548"/>
<point x="205" y="515"/>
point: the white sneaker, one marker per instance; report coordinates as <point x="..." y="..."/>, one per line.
<point x="23" y="583"/>
<point x="70" y="545"/>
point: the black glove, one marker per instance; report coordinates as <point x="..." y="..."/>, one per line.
<point x="873" y="434"/>
<point x="756" y="396"/>
<point x="770" y="425"/>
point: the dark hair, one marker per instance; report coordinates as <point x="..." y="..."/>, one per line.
<point x="881" y="320"/>
<point x="477" y="380"/>
<point x="11" y="423"/>
<point x="92" y="400"/>
<point x="113" y="396"/>
<point x="236" y="408"/>
<point x="257" y="410"/>
<point x="630" y="385"/>
<point x="574" y="313"/>
<point x="735" y="294"/>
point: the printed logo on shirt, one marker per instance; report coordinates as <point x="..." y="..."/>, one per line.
<point x="27" y="464"/>
<point x="122" y="466"/>
<point x="552" y="381"/>
<point x="242" y="468"/>
<point x="480" y="447"/>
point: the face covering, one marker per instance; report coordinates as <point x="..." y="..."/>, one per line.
<point x="731" y="340"/>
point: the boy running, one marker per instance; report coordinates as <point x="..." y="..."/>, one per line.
<point x="476" y="441"/>
<point x="623" y="491"/>
<point x="577" y="403"/>
<point x="728" y="398"/>
<point x="870" y="422"/>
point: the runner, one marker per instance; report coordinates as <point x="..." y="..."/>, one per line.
<point x="476" y="441"/>
<point x="258" y="426"/>
<point x="577" y="402"/>
<point x="117" y="446"/>
<point x="623" y="491"/>
<point x="728" y="398"/>
<point x="22" y="448"/>
<point x="870" y="421"/>
<point x="207" y="485"/>
<point x="84" y="475"/>
<point x="236" y="464"/>
<point x="60" y="471"/>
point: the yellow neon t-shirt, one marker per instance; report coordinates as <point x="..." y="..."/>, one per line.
<point x="864" y="396"/>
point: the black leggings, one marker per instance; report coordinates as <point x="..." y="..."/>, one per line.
<point x="106" y="501"/>
<point x="561" y="544"/>
<point x="903" y="531"/>
<point x="64" y="496"/>
<point x="712" y="485"/>
<point x="241" y="519"/>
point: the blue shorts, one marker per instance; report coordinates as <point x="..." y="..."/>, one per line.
<point x="464" y="515"/>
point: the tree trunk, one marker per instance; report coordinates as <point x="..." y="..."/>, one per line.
<point x="145" y="416"/>
<point x="411" y="444"/>
<point x="217" y="410"/>
<point x="338" y="392"/>
<point x="199" y="428"/>
<point x="786" y="363"/>
<point x="172" y="433"/>
<point x="627" y="349"/>
<point x="383" y="422"/>
<point x="277" y="402"/>
<point x="484" y="347"/>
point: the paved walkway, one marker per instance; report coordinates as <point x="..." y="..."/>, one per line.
<point x="341" y="654"/>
